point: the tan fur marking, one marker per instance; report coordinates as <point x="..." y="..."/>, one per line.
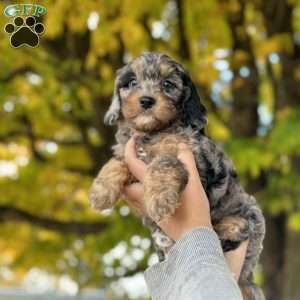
<point x="166" y="69"/>
<point x="108" y="185"/>
<point x="162" y="113"/>
<point x="131" y="106"/>
<point x="168" y="144"/>
<point x="231" y="228"/>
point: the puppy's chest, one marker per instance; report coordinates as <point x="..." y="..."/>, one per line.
<point x="147" y="147"/>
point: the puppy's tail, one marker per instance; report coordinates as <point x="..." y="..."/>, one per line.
<point x="251" y="291"/>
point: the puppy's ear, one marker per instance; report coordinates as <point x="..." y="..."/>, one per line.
<point x="113" y="114"/>
<point x="193" y="111"/>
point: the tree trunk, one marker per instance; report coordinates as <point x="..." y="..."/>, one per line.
<point x="273" y="256"/>
<point x="291" y="283"/>
<point x="244" y="116"/>
<point x="281" y="263"/>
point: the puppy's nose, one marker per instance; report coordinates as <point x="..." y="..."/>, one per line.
<point x="146" y="102"/>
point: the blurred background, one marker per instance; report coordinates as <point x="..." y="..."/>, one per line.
<point x="244" y="56"/>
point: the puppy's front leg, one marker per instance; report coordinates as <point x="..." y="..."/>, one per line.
<point x="107" y="186"/>
<point x="165" y="178"/>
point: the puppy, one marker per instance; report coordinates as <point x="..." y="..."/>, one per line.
<point x="155" y="98"/>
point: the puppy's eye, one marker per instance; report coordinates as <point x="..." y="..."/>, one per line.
<point x="168" y="86"/>
<point x="132" y="83"/>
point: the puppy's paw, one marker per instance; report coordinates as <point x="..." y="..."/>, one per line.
<point x="232" y="229"/>
<point x="161" y="205"/>
<point x="102" y="196"/>
<point x="161" y="240"/>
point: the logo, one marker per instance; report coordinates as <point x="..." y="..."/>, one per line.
<point x="24" y="30"/>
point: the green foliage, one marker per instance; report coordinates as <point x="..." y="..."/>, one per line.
<point x="53" y="98"/>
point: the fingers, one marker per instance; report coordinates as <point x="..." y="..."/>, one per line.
<point x="133" y="191"/>
<point x="133" y="194"/>
<point x="135" y="165"/>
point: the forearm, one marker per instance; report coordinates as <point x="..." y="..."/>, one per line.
<point x="194" y="270"/>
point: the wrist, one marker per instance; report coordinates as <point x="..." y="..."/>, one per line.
<point x="188" y="228"/>
<point x="176" y="230"/>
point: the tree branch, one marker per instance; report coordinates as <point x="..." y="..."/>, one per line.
<point x="15" y="73"/>
<point x="19" y="133"/>
<point x="32" y="139"/>
<point x="11" y="134"/>
<point x="81" y="171"/>
<point x="13" y="214"/>
<point x="184" y="50"/>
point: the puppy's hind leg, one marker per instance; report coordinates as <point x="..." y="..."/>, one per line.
<point x="232" y="230"/>
<point x="165" y="178"/>
<point x="107" y="186"/>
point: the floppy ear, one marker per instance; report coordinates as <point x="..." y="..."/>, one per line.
<point x="113" y="114"/>
<point x="193" y="111"/>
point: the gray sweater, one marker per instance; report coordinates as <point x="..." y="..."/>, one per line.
<point x="194" y="270"/>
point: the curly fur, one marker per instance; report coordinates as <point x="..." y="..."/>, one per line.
<point x="175" y="114"/>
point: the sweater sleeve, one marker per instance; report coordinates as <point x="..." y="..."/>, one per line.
<point x="195" y="269"/>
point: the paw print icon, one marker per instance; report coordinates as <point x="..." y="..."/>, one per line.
<point x="24" y="32"/>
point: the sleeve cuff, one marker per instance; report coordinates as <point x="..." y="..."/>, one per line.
<point x="199" y="247"/>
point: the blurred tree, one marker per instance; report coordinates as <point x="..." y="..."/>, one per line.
<point x="244" y="57"/>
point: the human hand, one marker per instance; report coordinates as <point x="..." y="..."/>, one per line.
<point x="235" y="259"/>
<point x="193" y="210"/>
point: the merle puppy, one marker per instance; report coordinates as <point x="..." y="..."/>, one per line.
<point x="155" y="97"/>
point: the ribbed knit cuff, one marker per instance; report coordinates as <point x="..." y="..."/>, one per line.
<point x="197" y="249"/>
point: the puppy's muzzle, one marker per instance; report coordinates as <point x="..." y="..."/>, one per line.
<point x="146" y="102"/>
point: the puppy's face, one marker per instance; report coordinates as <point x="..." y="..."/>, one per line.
<point x="150" y="91"/>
